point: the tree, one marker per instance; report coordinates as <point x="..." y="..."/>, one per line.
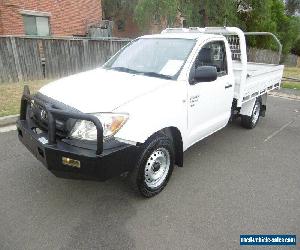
<point x="269" y="15"/>
<point x="292" y="7"/>
<point x="257" y="17"/>
<point x="296" y="44"/>
<point x="156" y="11"/>
<point x="296" y="48"/>
<point x="250" y="15"/>
<point x="196" y="13"/>
<point x="219" y="13"/>
<point x="287" y="28"/>
<point x="118" y="8"/>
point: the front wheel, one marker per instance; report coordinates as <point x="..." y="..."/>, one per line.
<point x="250" y="122"/>
<point x="154" y="167"/>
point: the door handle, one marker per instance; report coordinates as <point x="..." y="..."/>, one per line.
<point x="228" y="86"/>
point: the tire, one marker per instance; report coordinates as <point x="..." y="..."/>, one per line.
<point x="156" y="160"/>
<point x="250" y="122"/>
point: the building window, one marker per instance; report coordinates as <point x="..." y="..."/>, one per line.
<point x="36" y="25"/>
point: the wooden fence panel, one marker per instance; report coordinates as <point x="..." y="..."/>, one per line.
<point x="66" y="57"/>
<point x="262" y="56"/>
<point x="29" y="59"/>
<point x="50" y="67"/>
<point x="116" y="46"/>
<point x="8" y="71"/>
<point x="76" y="60"/>
<point x="56" y="58"/>
<point x="270" y="57"/>
<point x="291" y="60"/>
<point x="25" y="59"/>
<point x="98" y="52"/>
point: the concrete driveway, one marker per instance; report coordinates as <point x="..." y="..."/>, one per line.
<point x="235" y="182"/>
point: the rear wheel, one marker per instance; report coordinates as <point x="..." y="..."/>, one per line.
<point x="154" y="167"/>
<point x="250" y="122"/>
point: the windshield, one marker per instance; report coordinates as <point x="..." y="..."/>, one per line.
<point x="156" y="57"/>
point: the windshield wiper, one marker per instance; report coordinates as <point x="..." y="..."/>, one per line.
<point x="151" y="74"/>
<point x="154" y="74"/>
<point x="127" y="70"/>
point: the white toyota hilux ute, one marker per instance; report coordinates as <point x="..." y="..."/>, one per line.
<point x="150" y="102"/>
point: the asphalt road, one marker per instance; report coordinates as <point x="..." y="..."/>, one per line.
<point x="235" y="182"/>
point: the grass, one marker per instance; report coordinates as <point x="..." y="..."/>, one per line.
<point x="290" y="85"/>
<point x="294" y="73"/>
<point x="10" y="96"/>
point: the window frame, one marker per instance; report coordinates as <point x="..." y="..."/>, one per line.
<point x="226" y="73"/>
<point x="36" y="16"/>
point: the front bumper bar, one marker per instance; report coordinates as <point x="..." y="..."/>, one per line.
<point x="97" y="163"/>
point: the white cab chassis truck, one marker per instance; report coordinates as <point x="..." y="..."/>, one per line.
<point x="149" y="103"/>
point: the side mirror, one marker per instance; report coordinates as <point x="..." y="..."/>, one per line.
<point x="205" y="74"/>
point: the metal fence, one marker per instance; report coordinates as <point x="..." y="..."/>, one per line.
<point x="27" y="59"/>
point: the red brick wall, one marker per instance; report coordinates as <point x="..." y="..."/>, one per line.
<point x="67" y="17"/>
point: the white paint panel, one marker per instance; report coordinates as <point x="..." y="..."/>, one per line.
<point x="101" y="90"/>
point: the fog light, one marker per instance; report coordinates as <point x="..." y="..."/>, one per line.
<point x="70" y="162"/>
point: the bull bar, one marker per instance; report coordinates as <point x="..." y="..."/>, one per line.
<point x="54" y="113"/>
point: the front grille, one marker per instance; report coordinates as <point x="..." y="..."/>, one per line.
<point x="38" y="115"/>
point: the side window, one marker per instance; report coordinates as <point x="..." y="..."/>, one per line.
<point x="213" y="54"/>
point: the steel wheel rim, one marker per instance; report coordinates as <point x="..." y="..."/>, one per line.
<point x="256" y="112"/>
<point x="157" y="168"/>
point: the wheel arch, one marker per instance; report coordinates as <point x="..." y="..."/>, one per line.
<point x="175" y="135"/>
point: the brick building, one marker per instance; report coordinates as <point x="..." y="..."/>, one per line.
<point x="48" y="17"/>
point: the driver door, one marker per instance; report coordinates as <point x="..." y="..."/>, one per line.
<point x="209" y="102"/>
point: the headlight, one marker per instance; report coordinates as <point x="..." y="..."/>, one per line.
<point x="111" y="122"/>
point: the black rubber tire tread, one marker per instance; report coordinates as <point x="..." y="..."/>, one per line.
<point x="136" y="177"/>
<point x="246" y="121"/>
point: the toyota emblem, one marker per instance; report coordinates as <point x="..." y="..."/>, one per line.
<point x="43" y="114"/>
